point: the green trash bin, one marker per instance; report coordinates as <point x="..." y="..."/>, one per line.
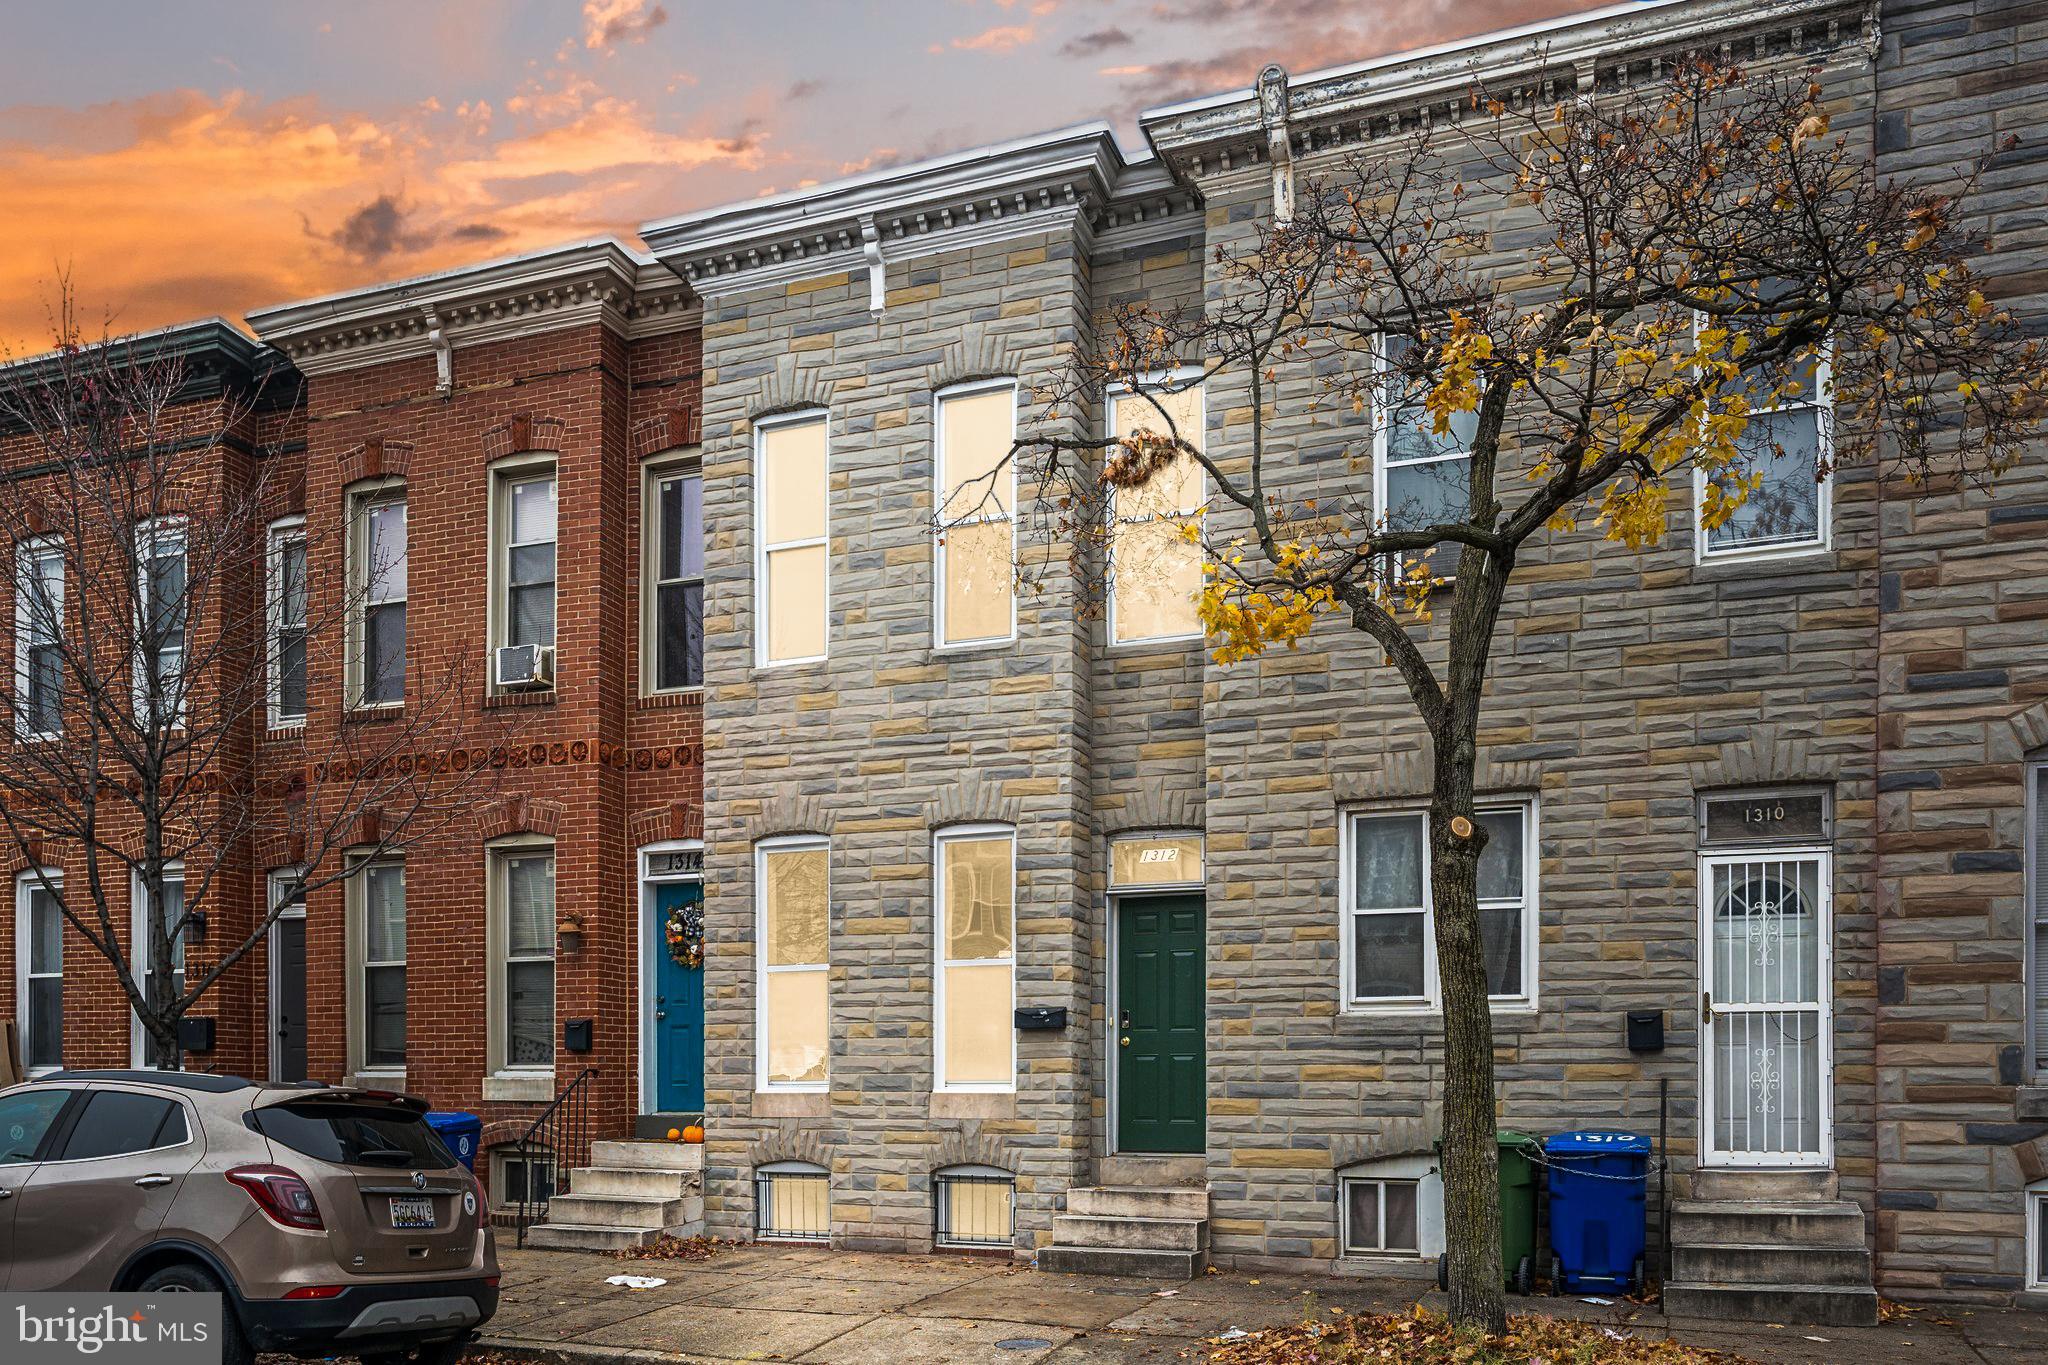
<point x="1518" y="1153"/>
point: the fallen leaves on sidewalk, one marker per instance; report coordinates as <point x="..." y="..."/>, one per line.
<point x="1424" y="1337"/>
<point x="675" y="1249"/>
<point x="1891" y="1310"/>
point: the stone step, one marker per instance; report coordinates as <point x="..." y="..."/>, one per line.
<point x="1821" y="1305"/>
<point x="1152" y="1265"/>
<point x="1696" y="1222"/>
<point x="658" y="1156"/>
<point x="1766" y="1186"/>
<point x="582" y="1237"/>
<point x="1751" y="1263"/>
<point x="624" y="1211"/>
<point x="1151" y="1172"/>
<point x="1134" y="1201"/>
<point x="1136" y="1234"/>
<point x="644" y="1181"/>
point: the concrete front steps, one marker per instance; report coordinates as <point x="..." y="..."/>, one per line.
<point x="1770" y="1246"/>
<point x="630" y="1194"/>
<point x="1156" y="1231"/>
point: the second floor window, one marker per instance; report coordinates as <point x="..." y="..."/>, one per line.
<point x="287" y="620"/>
<point x="377" y="579"/>
<point x="1787" y="448"/>
<point x="527" y="522"/>
<point x="161" y="623"/>
<point x="977" y="494"/>
<point x="673" y="648"/>
<point x="1155" y="568"/>
<point x="1422" y="477"/>
<point x="791" y="574"/>
<point x="38" y="640"/>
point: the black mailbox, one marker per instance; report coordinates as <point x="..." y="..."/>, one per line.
<point x="1037" y="1018"/>
<point x="1646" y="1030"/>
<point x="576" y="1035"/>
<point x="195" y="1034"/>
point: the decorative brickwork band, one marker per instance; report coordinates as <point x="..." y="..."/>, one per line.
<point x="790" y="815"/>
<point x="671" y="430"/>
<point x="658" y="824"/>
<point x="973" y="801"/>
<point x="520" y="814"/>
<point x="521" y="434"/>
<point x="1392" y="1137"/>
<point x="971" y="1147"/>
<point x="976" y="355"/>
<point x="790" y="1140"/>
<point x="1767" y="756"/>
<point x="376" y="458"/>
<point x="791" y="389"/>
<point x="1408" y="774"/>
<point x="1153" y="807"/>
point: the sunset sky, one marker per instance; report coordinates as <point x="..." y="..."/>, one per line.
<point x="213" y="156"/>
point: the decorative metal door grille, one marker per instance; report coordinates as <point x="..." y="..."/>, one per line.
<point x="1765" y="1009"/>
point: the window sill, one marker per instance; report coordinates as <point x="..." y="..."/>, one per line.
<point x="968" y="649"/>
<point x="496" y="701"/>
<point x="374" y="714"/>
<point x="288" y="727"/>
<point x="1769" y="554"/>
<point x="670" y="700"/>
<point x="1162" y="642"/>
<point x="1525" y="1009"/>
<point x="378" y="1080"/>
<point x="520" y="1086"/>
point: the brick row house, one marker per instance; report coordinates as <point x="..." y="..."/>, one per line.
<point x="1032" y="927"/>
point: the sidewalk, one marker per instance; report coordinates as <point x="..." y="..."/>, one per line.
<point x="849" y="1308"/>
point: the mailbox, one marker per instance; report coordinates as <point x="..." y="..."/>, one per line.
<point x="576" y="1035"/>
<point x="1646" y="1030"/>
<point x="1038" y="1018"/>
<point x="195" y="1034"/>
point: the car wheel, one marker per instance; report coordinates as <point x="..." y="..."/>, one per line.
<point x="192" y="1279"/>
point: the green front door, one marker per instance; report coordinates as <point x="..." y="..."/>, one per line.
<point x="1162" y="1082"/>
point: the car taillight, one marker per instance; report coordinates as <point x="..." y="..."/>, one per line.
<point x="280" y="1194"/>
<point x="316" y="1291"/>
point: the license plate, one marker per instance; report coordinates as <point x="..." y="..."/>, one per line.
<point x="412" y="1213"/>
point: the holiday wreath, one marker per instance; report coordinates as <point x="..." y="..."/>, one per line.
<point x="685" y="933"/>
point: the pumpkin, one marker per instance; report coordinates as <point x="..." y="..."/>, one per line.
<point x="694" y="1133"/>
<point x="673" y="1135"/>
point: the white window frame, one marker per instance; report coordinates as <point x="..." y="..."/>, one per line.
<point x="1416" y="1170"/>
<point x="362" y="502"/>
<point x="148" y="535"/>
<point x="762" y="549"/>
<point x="789" y="843"/>
<point x="274" y="884"/>
<point x="1823" y="403"/>
<point x="654" y="474"/>
<point x="1431" y="1001"/>
<point x="27" y="561"/>
<point x="498" y="857"/>
<point x="2036" y="1206"/>
<point x="954" y="834"/>
<point x="2037" y="917"/>
<point x="506" y="475"/>
<point x="358" y="935"/>
<point x="284" y="532"/>
<point x="1171" y="381"/>
<point x="138" y="956"/>
<point x="942" y="491"/>
<point x="1382" y="465"/>
<point x="25" y="887"/>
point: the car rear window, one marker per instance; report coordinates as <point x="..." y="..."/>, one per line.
<point x="353" y="1135"/>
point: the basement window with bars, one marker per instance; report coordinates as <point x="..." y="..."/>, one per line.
<point x="515" y="1177"/>
<point x="792" y="1202"/>
<point x="974" y="1207"/>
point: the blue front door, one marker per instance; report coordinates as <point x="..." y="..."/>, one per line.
<point x="678" y="1061"/>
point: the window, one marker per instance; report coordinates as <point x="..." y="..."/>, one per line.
<point x="38" y="639"/>
<point x="379" y="892"/>
<point x="792" y="1202"/>
<point x="287" y="620"/>
<point x="1787" y="447"/>
<point x="117" y="1122"/>
<point x="1381" y="1215"/>
<point x="525" y="527"/>
<point x="1155" y="569"/>
<point x="521" y="1179"/>
<point x="353" y="1134"/>
<point x="1390" y="945"/>
<point x="977" y="960"/>
<point x="975" y="554"/>
<point x="794" y="888"/>
<point x="523" y="889"/>
<point x="25" y="1118"/>
<point x="377" y="581"/>
<point x="1420" y="478"/>
<point x="792" y="576"/>
<point x="672" y="642"/>
<point x="171" y="912"/>
<point x="160" y="621"/>
<point x="2037" y="1237"/>
<point x="39" y="971"/>
<point x="974" y="1206"/>
<point x="2037" y="914"/>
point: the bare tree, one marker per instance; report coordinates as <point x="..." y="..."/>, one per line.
<point x="1562" y="310"/>
<point x="158" y="630"/>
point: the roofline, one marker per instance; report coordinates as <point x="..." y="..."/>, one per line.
<point x="213" y="332"/>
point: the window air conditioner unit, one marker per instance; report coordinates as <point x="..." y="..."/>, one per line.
<point x="526" y="666"/>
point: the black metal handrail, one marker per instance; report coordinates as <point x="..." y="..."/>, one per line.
<point x="560" y="1137"/>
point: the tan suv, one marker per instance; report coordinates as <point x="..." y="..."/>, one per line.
<point x="330" y="1219"/>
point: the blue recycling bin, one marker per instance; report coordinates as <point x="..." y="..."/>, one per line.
<point x="460" y="1132"/>
<point x="1598" y="1213"/>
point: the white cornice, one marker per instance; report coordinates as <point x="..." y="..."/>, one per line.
<point x="601" y="281"/>
<point x="1216" y="133"/>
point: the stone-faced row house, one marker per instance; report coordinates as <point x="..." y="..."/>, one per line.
<point x="1026" y="925"/>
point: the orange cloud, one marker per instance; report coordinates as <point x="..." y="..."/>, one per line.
<point x="1002" y="38"/>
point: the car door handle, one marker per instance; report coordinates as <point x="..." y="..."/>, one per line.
<point x="6" y="1194"/>
<point x="150" y="1182"/>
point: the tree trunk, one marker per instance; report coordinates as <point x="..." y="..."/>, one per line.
<point x="1471" y="1160"/>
